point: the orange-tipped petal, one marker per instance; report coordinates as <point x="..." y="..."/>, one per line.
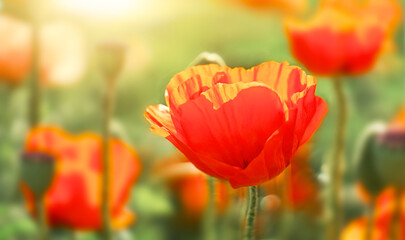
<point x="241" y="125"/>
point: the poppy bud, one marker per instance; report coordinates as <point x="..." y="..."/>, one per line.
<point x="366" y="166"/>
<point x="112" y="58"/>
<point x="208" y="58"/>
<point x="37" y="171"/>
<point x="389" y="152"/>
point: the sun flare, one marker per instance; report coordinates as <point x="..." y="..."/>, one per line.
<point x="99" y="8"/>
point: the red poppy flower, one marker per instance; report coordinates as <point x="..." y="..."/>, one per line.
<point x="74" y="197"/>
<point x="191" y="187"/>
<point x="58" y="65"/>
<point x="236" y="124"/>
<point x="384" y="213"/>
<point x="343" y="38"/>
<point x="298" y="183"/>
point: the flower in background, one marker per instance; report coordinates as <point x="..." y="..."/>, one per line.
<point x="62" y="52"/>
<point x="343" y="37"/>
<point x="298" y="184"/>
<point x="191" y="186"/>
<point x="239" y="125"/>
<point x="290" y="6"/>
<point x="74" y="196"/>
<point x="382" y="220"/>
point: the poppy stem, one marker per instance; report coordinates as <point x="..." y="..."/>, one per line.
<point x="108" y="108"/>
<point x="34" y="85"/>
<point x="251" y="213"/>
<point x="42" y="223"/>
<point x="209" y="218"/>
<point x="336" y="164"/>
<point x="370" y="219"/>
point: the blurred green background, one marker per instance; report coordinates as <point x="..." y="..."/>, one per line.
<point x="167" y="36"/>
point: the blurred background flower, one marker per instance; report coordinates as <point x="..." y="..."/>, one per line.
<point x="58" y="65"/>
<point x="74" y="197"/>
<point x="343" y="37"/>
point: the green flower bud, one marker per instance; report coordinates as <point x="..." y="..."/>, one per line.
<point x="37" y="171"/>
<point x="208" y="58"/>
<point x="389" y="153"/>
<point x="368" y="174"/>
<point x="111" y="59"/>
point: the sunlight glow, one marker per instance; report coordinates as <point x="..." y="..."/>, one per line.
<point x="99" y="8"/>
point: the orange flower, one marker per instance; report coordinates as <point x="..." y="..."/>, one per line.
<point x="343" y="37"/>
<point x="302" y="190"/>
<point x="384" y="213"/>
<point x="236" y="124"/>
<point x="190" y="185"/>
<point x="62" y="52"/>
<point x="74" y="197"/>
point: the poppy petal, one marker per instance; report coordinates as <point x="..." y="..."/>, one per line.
<point x="229" y="116"/>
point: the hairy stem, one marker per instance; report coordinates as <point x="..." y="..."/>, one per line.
<point x="251" y="213"/>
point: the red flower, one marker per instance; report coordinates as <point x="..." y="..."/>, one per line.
<point x="74" y="197"/>
<point x="343" y="37"/>
<point x="236" y="124"/>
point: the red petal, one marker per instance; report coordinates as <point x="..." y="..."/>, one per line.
<point x="275" y="157"/>
<point x="231" y="122"/>
<point x="160" y="119"/>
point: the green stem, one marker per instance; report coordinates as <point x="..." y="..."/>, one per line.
<point x="42" y="223"/>
<point x="336" y="165"/>
<point x="34" y="87"/>
<point x="370" y="219"/>
<point x="251" y="213"/>
<point x="108" y="107"/>
<point x="210" y="213"/>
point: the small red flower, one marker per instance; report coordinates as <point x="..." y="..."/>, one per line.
<point x="236" y="124"/>
<point x="343" y="37"/>
<point x="74" y="197"/>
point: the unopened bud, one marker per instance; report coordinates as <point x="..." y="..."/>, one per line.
<point x="208" y="58"/>
<point x="37" y="171"/>
<point x="389" y="154"/>
<point x="112" y="58"/>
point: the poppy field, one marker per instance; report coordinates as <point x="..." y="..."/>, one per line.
<point x="204" y="119"/>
